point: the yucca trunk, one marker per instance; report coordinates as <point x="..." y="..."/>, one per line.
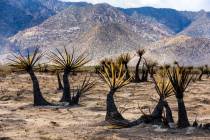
<point x="137" y="78"/>
<point x="127" y="71"/>
<point x="112" y="111"/>
<point x="66" y="88"/>
<point x="169" y="116"/>
<point x="154" y="118"/>
<point x="38" y="98"/>
<point x="60" y="86"/>
<point x="145" y="75"/>
<point x="183" y="121"/>
<point x="200" y="76"/>
<point x="75" y="99"/>
<point x="157" y="112"/>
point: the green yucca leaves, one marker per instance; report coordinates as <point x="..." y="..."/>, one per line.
<point x="162" y="84"/>
<point x="140" y="52"/>
<point x="86" y="86"/>
<point x="124" y="58"/>
<point x="67" y="61"/>
<point x="28" y="62"/>
<point x="114" y="76"/>
<point x="180" y="78"/>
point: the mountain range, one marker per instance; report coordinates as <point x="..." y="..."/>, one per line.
<point x="102" y="30"/>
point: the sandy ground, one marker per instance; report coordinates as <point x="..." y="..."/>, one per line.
<point x="19" y="120"/>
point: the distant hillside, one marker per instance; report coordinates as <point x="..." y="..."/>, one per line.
<point x="102" y="30"/>
<point x="174" y="20"/>
<point x="200" y="27"/>
<point x="186" y="50"/>
<point x="16" y="15"/>
<point x="57" y="6"/>
<point x="94" y="28"/>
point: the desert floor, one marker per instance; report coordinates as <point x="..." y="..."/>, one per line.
<point x="20" y="120"/>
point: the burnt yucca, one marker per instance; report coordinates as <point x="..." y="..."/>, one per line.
<point x="28" y="63"/>
<point x="115" y="80"/>
<point x="140" y="54"/>
<point x="124" y="59"/>
<point x="164" y="90"/>
<point x="180" y="79"/>
<point x="67" y="62"/>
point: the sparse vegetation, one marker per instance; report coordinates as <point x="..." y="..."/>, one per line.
<point x="114" y="76"/>
<point x="164" y="90"/>
<point x="82" y="89"/>
<point x="169" y="82"/>
<point x="180" y="78"/>
<point x="28" y="63"/>
<point x="67" y="62"/>
<point x="140" y="54"/>
<point x="124" y="59"/>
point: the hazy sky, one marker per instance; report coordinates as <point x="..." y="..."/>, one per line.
<point x="194" y="5"/>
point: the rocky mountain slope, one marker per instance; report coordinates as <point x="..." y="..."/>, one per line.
<point x="184" y="49"/>
<point x="102" y="30"/>
<point x="57" y="6"/>
<point x="175" y="20"/>
<point x="18" y="15"/>
<point x="200" y="27"/>
<point x="92" y="28"/>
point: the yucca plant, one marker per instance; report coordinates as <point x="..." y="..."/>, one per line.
<point x="60" y="86"/>
<point x="164" y="90"/>
<point x="124" y="59"/>
<point x="115" y="80"/>
<point x="207" y="71"/>
<point x="28" y="63"/>
<point x="105" y="63"/>
<point x="67" y="62"/>
<point x="150" y="69"/>
<point x="180" y="79"/>
<point x="145" y="73"/>
<point x="140" y="54"/>
<point x="202" y="72"/>
<point x="82" y="89"/>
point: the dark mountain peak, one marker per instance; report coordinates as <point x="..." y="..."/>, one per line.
<point x="18" y="15"/>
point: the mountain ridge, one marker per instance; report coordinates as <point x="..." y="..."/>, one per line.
<point x="101" y="29"/>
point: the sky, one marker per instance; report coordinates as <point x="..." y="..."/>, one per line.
<point x="190" y="5"/>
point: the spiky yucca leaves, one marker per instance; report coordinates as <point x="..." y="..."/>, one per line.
<point x="180" y="79"/>
<point x="115" y="80"/>
<point x="105" y="63"/>
<point x="140" y="54"/>
<point x="162" y="84"/>
<point x="28" y="63"/>
<point x="124" y="59"/>
<point x="150" y="69"/>
<point x="86" y="86"/>
<point x="164" y="90"/>
<point x="68" y="62"/>
<point x="114" y="76"/>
